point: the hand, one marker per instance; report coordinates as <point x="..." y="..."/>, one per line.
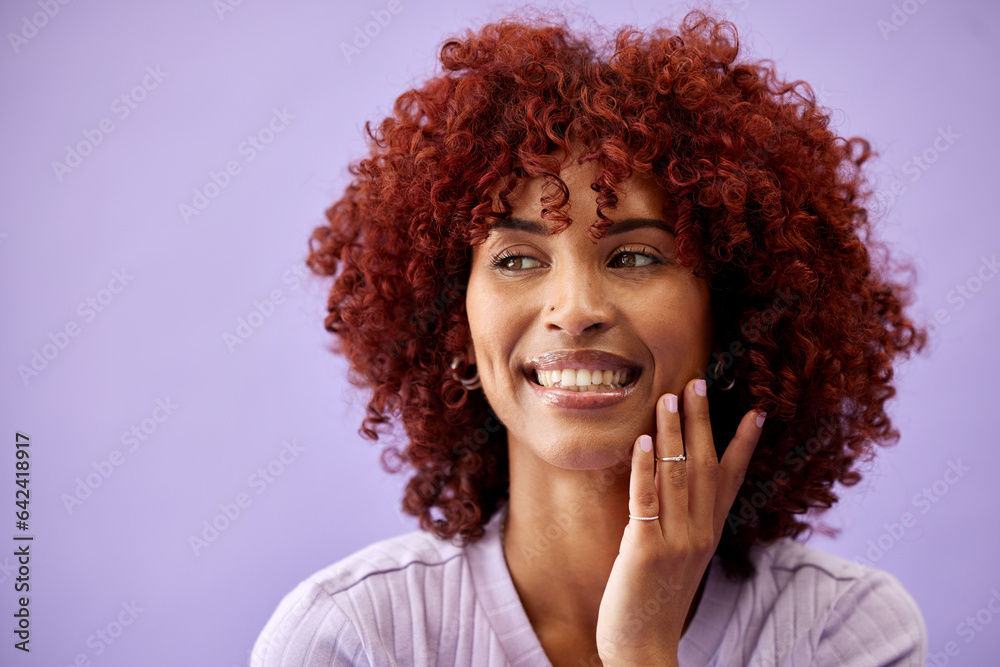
<point x="661" y="563"/>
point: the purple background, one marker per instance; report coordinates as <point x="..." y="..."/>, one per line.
<point x="162" y="336"/>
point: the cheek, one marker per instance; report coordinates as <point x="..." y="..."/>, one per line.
<point x="476" y="301"/>
<point x="492" y="325"/>
<point x="678" y="330"/>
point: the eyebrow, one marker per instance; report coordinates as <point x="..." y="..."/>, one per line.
<point x="621" y="227"/>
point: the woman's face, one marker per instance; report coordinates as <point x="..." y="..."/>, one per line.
<point x="544" y="308"/>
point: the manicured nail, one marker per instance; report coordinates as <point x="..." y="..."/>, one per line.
<point x="670" y="402"/>
<point x="760" y="419"/>
<point x="645" y="443"/>
<point x="700" y="388"/>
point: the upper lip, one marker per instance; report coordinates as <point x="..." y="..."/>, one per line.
<point x="560" y="359"/>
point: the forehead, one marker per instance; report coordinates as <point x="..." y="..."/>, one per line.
<point x="639" y="193"/>
<point x="640" y="202"/>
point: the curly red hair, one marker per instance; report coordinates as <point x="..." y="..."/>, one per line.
<point x="769" y="206"/>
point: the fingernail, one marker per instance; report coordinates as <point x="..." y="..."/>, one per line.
<point x="700" y="388"/>
<point x="760" y="419"/>
<point x="670" y="402"/>
<point x="645" y="443"/>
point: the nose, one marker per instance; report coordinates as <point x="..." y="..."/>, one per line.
<point x="577" y="304"/>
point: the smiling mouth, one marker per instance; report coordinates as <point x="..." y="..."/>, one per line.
<point x="584" y="379"/>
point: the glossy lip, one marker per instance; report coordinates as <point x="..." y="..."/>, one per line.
<point x="579" y="400"/>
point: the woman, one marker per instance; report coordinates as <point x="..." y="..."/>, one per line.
<point x="582" y="278"/>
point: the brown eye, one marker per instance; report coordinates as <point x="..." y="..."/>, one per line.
<point x="631" y="260"/>
<point x="515" y="263"/>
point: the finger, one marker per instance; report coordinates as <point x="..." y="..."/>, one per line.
<point x="702" y="462"/>
<point x="733" y="467"/>
<point x="671" y="476"/>
<point x="642" y="499"/>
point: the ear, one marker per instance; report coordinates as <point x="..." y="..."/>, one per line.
<point x="470" y="352"/>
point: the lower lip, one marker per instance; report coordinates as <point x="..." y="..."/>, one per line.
<point x="581" y="400"/>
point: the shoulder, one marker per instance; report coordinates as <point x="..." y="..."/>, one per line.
<point x="843" y="612"/>
<point x="385" y="560"/>
<point x="797" y="572"/>
<point x="327" y="618"/>
<point x="787" y="563"/>
<point x="807" y="607"/>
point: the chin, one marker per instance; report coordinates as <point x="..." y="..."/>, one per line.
<point x="583" y="453"/>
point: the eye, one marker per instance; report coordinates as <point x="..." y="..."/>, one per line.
<point x="632" y="258"/>
<point x="510" y="261"/>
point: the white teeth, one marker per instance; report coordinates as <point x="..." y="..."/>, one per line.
<point x="584" y="379"/>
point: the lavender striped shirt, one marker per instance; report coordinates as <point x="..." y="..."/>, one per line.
<point x="417" y="600"/>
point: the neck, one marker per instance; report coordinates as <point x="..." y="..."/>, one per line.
<point x="562" y="534"/>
